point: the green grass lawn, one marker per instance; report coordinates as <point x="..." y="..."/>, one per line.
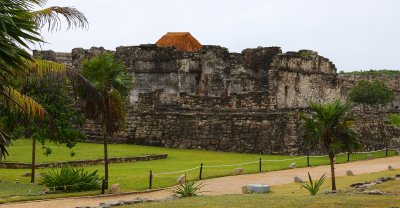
<point x="135" y="176"/>
<point x="291" y="195"/>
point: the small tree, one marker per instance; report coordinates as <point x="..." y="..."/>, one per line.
<point x="371" y="93"/>
<point x="329" y="125"/>
<point x="113" y="83"/>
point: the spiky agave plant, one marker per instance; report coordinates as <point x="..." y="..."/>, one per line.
<point x="314" y="187"/>
<point x="191" y="188"/>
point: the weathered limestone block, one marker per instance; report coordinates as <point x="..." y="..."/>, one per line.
<point x="256" y="188"/>
<point x="298" y="179"/>
<point x="115" y="188"/>
<point x="349" y="173"/>
<point x="181" y="179"/>
<point x="238" y="171"/>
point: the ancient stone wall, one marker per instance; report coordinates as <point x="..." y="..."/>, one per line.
<point x="243" y="102"/>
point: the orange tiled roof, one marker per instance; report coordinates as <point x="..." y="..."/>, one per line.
<point x="183" y="41"/>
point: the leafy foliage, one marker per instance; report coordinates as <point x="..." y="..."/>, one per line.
<point x="312" y="187"/>
<point x="187" y="189"/>
<point x="56" y="100"/>
<point x="71" y="179"/>
<point x="371" y="93"/>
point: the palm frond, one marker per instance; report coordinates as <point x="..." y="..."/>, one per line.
<point x="116" y="112"/>
<point x="94" y="101"/>
<point x="51" y="17"/>
<point x="17" y="28"/>
<point x="43" y="68"/>
<point x="4" y="142"/>
<point x="22" y="103"/>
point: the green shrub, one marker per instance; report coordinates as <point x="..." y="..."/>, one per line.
<point x="371" y="93"/>
<point x="190" y="188"/>
<point x="394" y="119"/>
<point x="71" y="179"/>
<point x="313" y="188"/>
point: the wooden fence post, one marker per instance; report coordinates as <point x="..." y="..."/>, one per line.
<point x="103" y="185"/>
<point x="151" y="180"/>
<point x="201" y="171"/>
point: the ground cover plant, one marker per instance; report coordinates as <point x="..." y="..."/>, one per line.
<point x="394" y="119"/>
<point x="71" y="179"/>
<point x="290" y="195"/>
<point x="135" y="176"/>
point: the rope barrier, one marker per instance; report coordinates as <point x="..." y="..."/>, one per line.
<point x="297" y="158"/>
<point x="369" y="152"/>
<point x="229" y="165"/>
<point x="181" y="171"/>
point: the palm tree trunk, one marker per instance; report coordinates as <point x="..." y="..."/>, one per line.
<point x="332" y="163"/>
<point x="104" y="128"/>
<point x="33" y="160"/>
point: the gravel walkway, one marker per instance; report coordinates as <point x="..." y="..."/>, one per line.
<point x="222" y="185"/>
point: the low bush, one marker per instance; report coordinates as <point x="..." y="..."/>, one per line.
<point x="71" y="179"/>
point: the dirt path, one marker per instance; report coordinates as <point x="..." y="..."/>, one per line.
<point x="223" y="185"/>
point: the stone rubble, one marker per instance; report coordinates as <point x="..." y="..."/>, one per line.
<point x="298" y="179"/>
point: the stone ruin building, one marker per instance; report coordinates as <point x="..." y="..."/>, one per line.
<point x="189" y="95"/>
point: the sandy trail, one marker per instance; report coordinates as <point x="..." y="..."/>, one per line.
<point x="222" y="185"/>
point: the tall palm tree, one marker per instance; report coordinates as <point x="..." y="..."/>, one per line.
<point x="20" y="26"/>
<point x="329" y="125"/>
<point x="110" y="77"/>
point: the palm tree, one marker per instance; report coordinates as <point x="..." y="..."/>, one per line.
<point x="329" y="125"/>
<point x="19" y="27"/>
<point x="110" y="77"/>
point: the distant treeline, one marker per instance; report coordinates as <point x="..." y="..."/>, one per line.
<point x="383" y="72"/>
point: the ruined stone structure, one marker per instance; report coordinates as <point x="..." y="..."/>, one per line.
<point x="217" y="100"/>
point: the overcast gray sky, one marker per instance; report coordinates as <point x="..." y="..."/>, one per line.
<point x="353" y="34"/>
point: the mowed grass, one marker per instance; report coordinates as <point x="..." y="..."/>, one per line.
<point x="291" y="195"/>
<point x="276" y="201"/>
<point x="135" y="176"/>
<point x="21" y="151"/>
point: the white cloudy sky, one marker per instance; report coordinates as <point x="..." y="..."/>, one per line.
<point x="354" y="34"/>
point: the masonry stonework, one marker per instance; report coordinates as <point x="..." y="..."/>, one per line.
<point x="243" y="102"/>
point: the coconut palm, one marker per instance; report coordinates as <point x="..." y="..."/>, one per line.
<point x="19" y="27"/>
<point x="329" y="125"/>
<point x="110" y="77"/>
